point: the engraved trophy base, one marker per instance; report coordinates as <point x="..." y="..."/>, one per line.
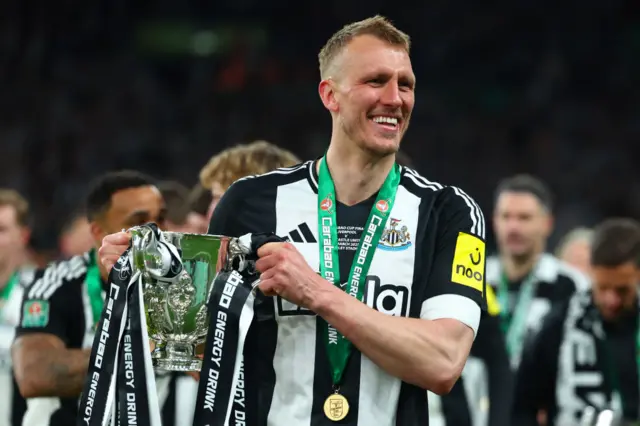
<point x="175" y="357"/>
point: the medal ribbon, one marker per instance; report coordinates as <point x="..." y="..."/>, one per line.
<point x="514" y="323"/>
<point x="338" y="347"/>
<point x="6" y="291"/>
<point x="94" y="287"/>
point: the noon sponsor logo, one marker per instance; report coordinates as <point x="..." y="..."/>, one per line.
<point x="468" y="261"/>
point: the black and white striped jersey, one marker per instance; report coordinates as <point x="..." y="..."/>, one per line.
<point x="420" y="269"/>
<point x="555" y="282"/>
<point x="12" y="405"/>
<point x="60" y="295"/>
<point x="578" y="360"/>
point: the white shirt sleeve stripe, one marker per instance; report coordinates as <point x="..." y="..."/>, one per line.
<point x="278" y="171"/>
<point x="452" y="306"/>
<point x="477" y="217"/>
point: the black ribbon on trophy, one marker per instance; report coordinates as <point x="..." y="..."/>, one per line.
<point x="120" y="386"/>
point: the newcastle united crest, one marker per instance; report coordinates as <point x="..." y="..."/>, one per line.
<point x="395" y="237"/>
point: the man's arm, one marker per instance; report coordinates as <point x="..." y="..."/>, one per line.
<point x="43" y="365"/>
<point x="429" y="351"/>
<point x="429" y="354"/>
<point x="535" y="381"/>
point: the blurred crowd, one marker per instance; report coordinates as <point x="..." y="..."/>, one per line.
<point x="548" y="88"/>
<point x="551" y="89"/>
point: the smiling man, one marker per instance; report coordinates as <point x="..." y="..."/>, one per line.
<point x="378" y="294"/>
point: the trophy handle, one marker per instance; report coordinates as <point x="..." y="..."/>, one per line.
<point x="148" y="255"/>
<point x="233" y="255"/>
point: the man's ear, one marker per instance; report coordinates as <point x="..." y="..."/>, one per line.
<point x="25" y="235"/>
<point x="326" y="89"/>
<point x="97" y="233"/>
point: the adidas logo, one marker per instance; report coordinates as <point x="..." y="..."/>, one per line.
<point x="302" y="234"/>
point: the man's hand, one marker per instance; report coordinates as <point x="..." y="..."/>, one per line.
<point x="113" y="246"/>
<point x="285" y="272"/>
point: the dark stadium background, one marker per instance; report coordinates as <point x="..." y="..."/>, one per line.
<point x="545" y="87"/>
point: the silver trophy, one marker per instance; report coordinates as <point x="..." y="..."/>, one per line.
<point x="176" y="307"/>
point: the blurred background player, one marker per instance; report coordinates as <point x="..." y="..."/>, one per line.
<point x="585" y="354"/>
<point x="75" y="235"/>
<point x="63" y="304"/>
<point x="15" y="274"/>
<point x="240" y="161"/>
<point x="526" y="278"/>
<point x="181" y="216"/>
<point x="200" y="199"/>
<point x="575" y="249"/>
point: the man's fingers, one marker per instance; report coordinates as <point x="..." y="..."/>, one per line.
<point x="269" y="248"/>
<point x="266" y="287"/>
<point x="117" y="239"/>
<point x="108" y="260"/>
<point x="113" y="246"/>
<point x="107" y="263"/>
<point x="265" y="263"/>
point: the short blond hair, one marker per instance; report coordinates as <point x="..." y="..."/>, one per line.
<point x="377" y="26"/>
<point x="12" y="198"/>
<point x="244" y="160"/>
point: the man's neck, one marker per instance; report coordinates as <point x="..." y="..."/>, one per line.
<point x="516" y="269"/>
<point x="5" y="275"/>
<point x="356" y="174"/>
<point x="7" y="269"/>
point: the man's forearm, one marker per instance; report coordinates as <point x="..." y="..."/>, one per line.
<point x="417" y="351"/>
<point x="58" y="372"/>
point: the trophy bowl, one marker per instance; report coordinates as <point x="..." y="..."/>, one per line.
<point x="176" y="307"/>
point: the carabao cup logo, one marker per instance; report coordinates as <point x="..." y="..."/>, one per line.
<point x="326" y="204"/>
<point x="382" y="206"/>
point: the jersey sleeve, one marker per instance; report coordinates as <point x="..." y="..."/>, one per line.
<point x="45" y="305"/>
<point x="455" y="286"/>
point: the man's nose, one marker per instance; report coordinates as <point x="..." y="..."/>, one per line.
<point x="391" y="94"/>
<point x="612" y="299"/>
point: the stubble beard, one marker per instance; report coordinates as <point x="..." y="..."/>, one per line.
<point x="357" y="135"/>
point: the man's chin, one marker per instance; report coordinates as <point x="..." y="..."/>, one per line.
<point x="382" y="148"/>
<point x="520" y="255"/>
<point x="610" y="316"/>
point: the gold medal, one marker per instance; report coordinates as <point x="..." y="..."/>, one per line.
<point x="336" y="407"/>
